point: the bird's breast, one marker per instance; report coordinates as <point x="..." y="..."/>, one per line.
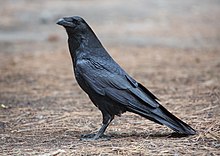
<point x="80" y="80"/>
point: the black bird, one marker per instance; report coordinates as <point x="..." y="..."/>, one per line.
<point x="108" y="86"/>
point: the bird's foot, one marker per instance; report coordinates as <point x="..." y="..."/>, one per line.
<point x="92" y="137"/>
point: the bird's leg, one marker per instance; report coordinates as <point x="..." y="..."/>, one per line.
<point x="106" y="121"/>
<point x="100" y="134"/>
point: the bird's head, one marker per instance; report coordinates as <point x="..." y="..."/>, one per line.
<point x="79" y="32"/>
<point x="74" y="25"/>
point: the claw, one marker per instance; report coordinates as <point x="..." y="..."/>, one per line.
<point x="93" y="137"/>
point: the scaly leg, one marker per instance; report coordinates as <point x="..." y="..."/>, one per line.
<point x="100" y="134"/>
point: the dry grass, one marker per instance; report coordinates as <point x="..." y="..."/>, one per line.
<point x="45" y="111"/>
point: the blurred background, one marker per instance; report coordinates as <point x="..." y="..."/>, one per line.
<point x="172" y="47"/>
<point x="181" y="24"/>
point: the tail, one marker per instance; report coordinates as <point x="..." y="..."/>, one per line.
<point x="162" y="116"/>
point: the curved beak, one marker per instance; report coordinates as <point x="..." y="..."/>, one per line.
<point x="64" y="22"/>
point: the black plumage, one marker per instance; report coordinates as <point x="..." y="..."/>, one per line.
<point x="108" y="86"/>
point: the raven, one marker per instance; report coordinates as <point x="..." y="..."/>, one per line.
<point x="108" y="86"/>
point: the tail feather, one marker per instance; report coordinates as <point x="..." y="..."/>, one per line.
<point x="162" y="116"/>
<point x="177" y="124"/>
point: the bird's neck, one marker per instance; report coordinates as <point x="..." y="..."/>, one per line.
<point x="83" y="41"/>
<point x="78" y="43"/>
<point x="90" y="40"/>
<point x="73" y="46"/>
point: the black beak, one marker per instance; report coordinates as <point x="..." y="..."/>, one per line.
<point x="64" y="23"/>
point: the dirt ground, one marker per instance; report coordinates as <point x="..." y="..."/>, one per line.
<point x="171" y="47"/>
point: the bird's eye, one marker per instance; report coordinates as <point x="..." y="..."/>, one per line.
<point x="75" y="22"/>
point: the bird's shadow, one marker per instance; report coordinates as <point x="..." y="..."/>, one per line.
<point x="147" y="135"/>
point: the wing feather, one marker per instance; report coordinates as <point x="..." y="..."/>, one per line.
<point x="119" y="87"/>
